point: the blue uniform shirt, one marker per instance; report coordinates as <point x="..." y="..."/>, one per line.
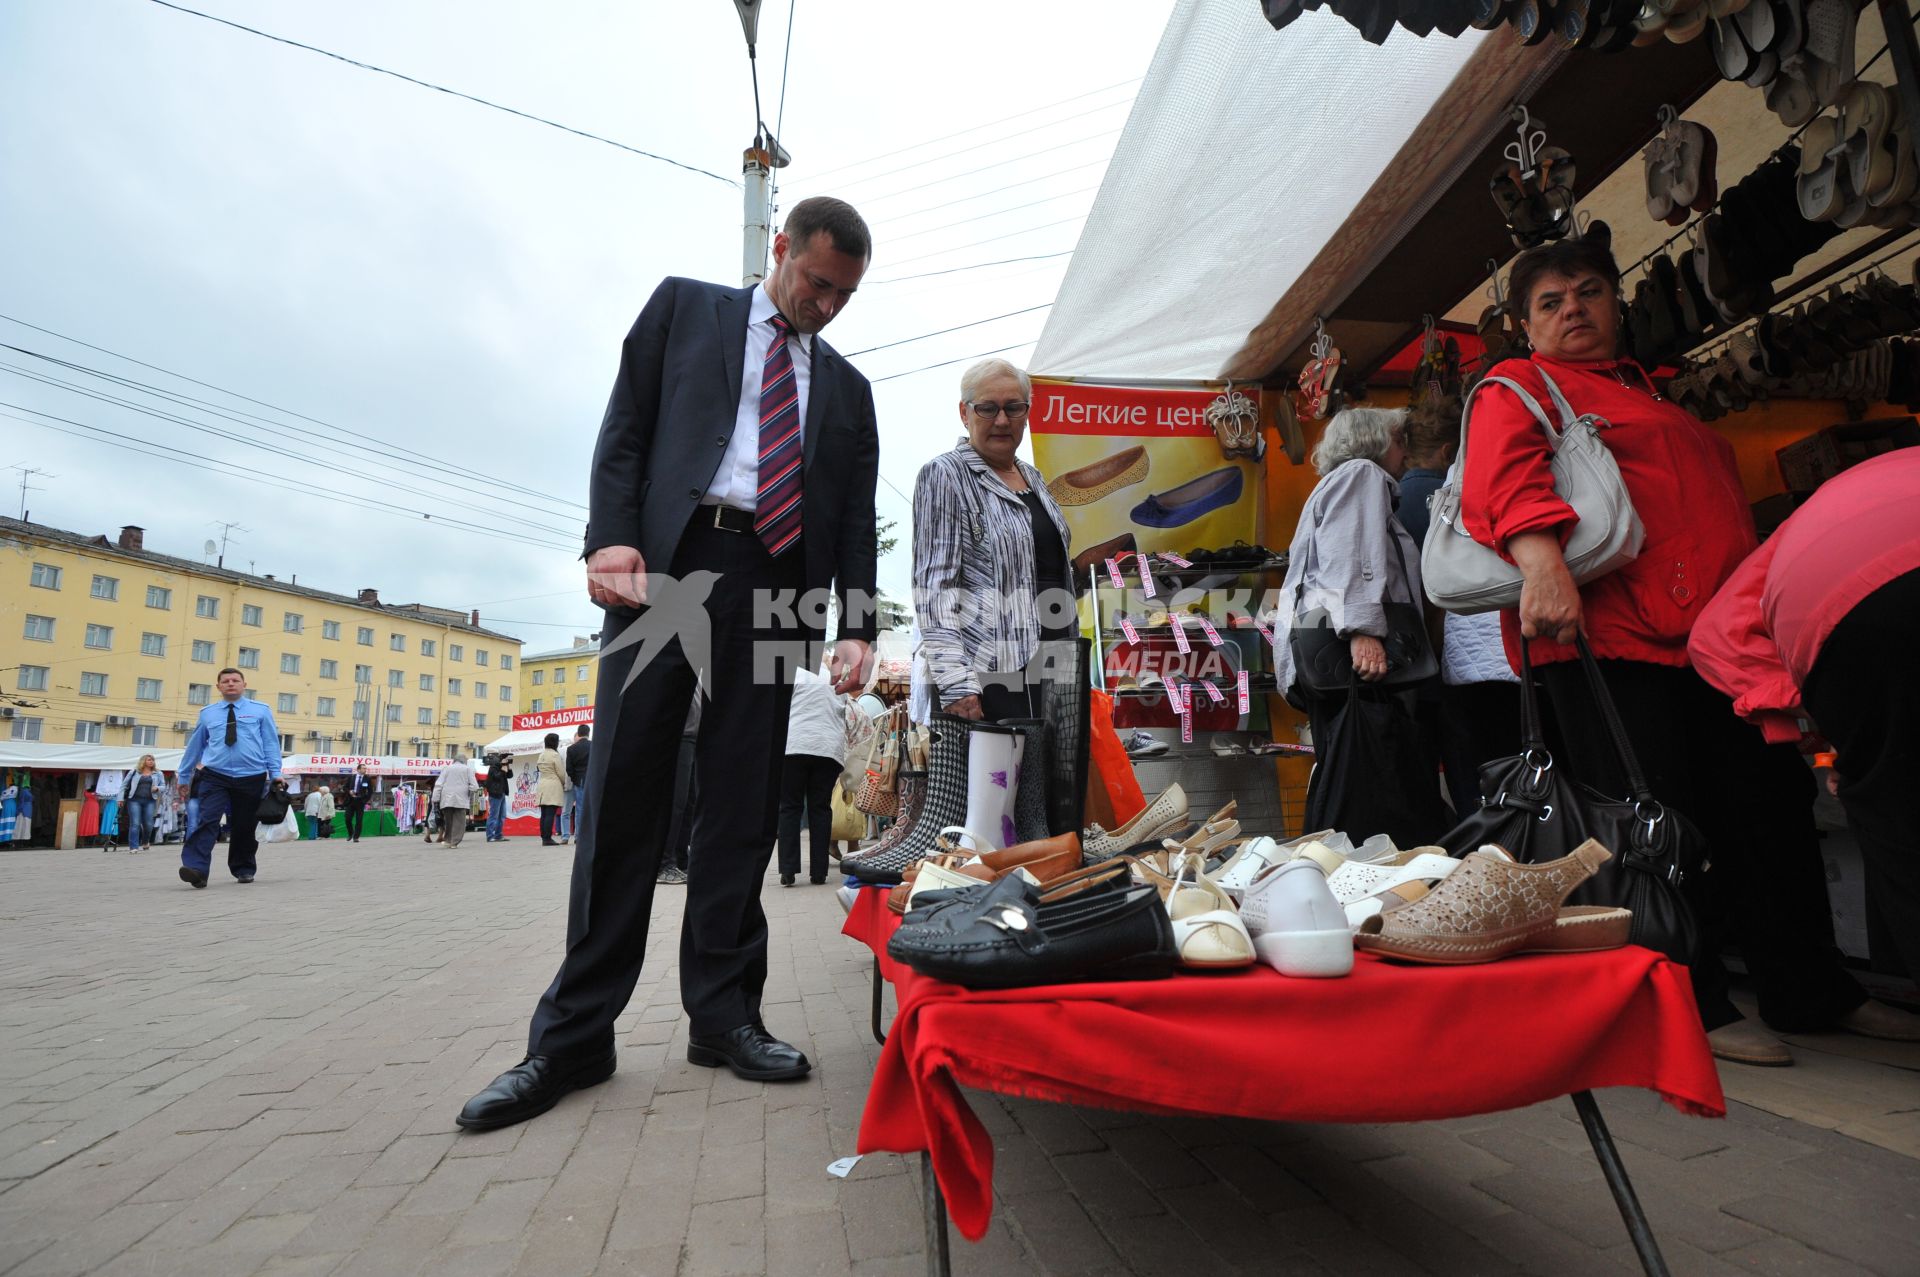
<point x="256" y="749"/>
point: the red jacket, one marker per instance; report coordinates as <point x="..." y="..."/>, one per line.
<point x="1681" y="477"/>
<point x="1759" y="638"/>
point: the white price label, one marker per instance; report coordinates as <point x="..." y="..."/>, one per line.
<point x="1175" y="559"/>
<point x="1146" y="578"/>
<point x="1213" y="635"/>
<point x="1179" y="632"/>
<point x="1113" y="573"/>
<point x="1213" y="694"/>
<point x="1126" y="628"/>
<point x="1240" y="683"/>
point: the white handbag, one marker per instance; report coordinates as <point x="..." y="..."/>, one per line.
<point x="1461" y="575"/>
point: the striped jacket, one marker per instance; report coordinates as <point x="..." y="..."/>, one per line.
<point x="973" y="574"/>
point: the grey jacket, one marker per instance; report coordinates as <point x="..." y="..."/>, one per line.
<point x="455" y="784"/>
<point x="1350" y="556"/>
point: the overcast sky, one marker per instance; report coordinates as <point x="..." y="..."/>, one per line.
<point x="440" y="282"/>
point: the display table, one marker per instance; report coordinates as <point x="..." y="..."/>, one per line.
<point x="1389" y="1043"/>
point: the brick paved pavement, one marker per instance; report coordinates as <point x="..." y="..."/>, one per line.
<point x="263" y="1079"/>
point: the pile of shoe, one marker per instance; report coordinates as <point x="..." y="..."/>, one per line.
<point x="1857" y="165"/>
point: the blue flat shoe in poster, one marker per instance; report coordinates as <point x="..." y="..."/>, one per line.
<point x="1189" y="501"/>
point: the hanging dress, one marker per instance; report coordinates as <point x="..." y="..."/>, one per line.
<point x="9" y="811"/>
<point x="90" y="815"/>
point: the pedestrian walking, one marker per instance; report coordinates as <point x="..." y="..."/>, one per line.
<point x="577" y="756"/>
<point x="816" y="750"/>
<point x="686" y="796"/>
<point x="359" y="792"/>
<point x="550" y="777"/>
<point x="499" y="778"/>
<point x="455" y="790"/>
<point x="319" y="809"/>
<point x="232" y="754"/>
<point x="136" y="801"/>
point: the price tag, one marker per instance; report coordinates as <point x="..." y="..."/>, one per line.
<point x="1113" y="574"/>
<point x="1240" y="683"/>
<point x="1146" y="578"/>
<point x="1213" y="635"/>
<point x="1179" y="633"/>
<point x="1186" y="724"/>
<point x="1126" y="628"/>
<point x="1213" y="693"/>
<point x="1175" y="559"/>
<point x="1265" y="633"/>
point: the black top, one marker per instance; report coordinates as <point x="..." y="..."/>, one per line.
<point x="143" y="788"/>
<point x="1049" y="562"/>
<point x="577" y="760"/>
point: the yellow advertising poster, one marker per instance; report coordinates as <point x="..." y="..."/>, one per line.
<point x="1139" y="468"/>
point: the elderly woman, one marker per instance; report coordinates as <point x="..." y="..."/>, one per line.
<point x="990" y="558"/>
<point x="1351" y="557"/>
<point x="1751" y="800"/>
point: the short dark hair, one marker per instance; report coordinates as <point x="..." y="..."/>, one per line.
<point x="584" y="731"/>
<point x="837" y="218"/>
<point x="1563" y="257"/>
<point x="553" y="740"/>
<point x="230" y="670"/>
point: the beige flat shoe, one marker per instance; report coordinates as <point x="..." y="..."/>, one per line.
<point x="1744" y="1042"/>
<point x="1102" y="478"/>
<point x="1492" y="906"/>
<point x="1878" y="1020"/>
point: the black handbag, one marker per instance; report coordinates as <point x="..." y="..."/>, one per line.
<point x="1374" y="774"/>
<point x="1537" y="812"/>
<point x="273" y="805"/>
<point x="1323" y="661"/>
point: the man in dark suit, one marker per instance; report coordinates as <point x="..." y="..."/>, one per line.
<point x="359" y="790"/>
<point x="738" y="453"/>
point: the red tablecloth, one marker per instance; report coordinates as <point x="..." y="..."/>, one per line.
<point x="1389" y="1043"/>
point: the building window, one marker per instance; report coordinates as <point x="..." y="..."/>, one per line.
<point x="580" y="674"/>
<point x="33" y="678"/>
<point x="363" y="674"/>
<point x="330" y="630"/>
<point x="428" y="647"/>
<point x="289" y="663"/>
<point x="426" y="682"/>
<point x="360" y="711"/>
<point x="27" y="728"/>
<point x="40" y="628"/>
<point x="199" y="693"/>
<point x="424" y="717"/>
<point x="506" y="660"/>
<point x="207" y="606"/>
<point x="147" y="735"/>
<point x="161" y="597"/>
<point x="453" y="718"/>
<point x="249" y="658"/>
<point x="579" y="702"/>
<point x="393" y="713"/>
<point x="203" y="651"/>
<point x="398" y="642"/>
<point x="93" y="685"/>
<point x="286" y="703"/>
<point x="453" y="687"/>
<point x="455" y="652"/>
<point x="364" y="636"/>
<point x="323" y="708"/>
<point x="106" y="587"/>
<point x="559" y="674"/>
<point x="480" y="690"/>
<point x="153" y="644"/>
<point x="506" y="692"/>
<point x="293" y="623"/>
<point x="539" y="678"/>
<point x="422" y="749"/>
<point x="250" y="694"/>
<point x="453" y="751"/>
<point x="538" y="704"/>
<point x="479" y="722"/>
<point x="87" y="733"/>
<point x="324" y="745"/>
<point x="250" y="614"/>
<point x="396" y="678"/>
<point x="329" y="669"/>
<point x="46" y="576"/>
<point x="100" y="636"/>
<point x="480" y="657"/>
<point x="146" y="689"/>
<point x="286" y="742"/>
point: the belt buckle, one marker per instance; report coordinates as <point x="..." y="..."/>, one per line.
<point x="718" y="514"/>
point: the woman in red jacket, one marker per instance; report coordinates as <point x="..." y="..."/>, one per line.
<point x="1752" y="800"/>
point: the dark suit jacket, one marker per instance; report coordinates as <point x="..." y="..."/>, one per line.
<point x="577" y="755"/>
<point x="671" y="416"/>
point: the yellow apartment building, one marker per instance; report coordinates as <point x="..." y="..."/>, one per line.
<point x="106" y="642"/>
<point x="562" y="678"/>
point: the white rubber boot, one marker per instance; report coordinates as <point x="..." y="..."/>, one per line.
<point x="993" y="784"/>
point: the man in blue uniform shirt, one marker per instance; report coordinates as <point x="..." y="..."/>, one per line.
<point x="232" y="756"/>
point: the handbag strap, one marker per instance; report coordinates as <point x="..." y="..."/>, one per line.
<point x="1610" y="714"/>
<point x="1533" y="739"/>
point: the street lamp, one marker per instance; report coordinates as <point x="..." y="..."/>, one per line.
<point x="757" y="162"/>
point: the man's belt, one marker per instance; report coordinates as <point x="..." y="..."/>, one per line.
<point x="731" y="518"/>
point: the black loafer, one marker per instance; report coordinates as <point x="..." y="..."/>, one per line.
<point x="243" y="877"/>
<point x="1124" y="935"/>
<point x="530" y="1088"/>
<point x="189" y="876"/>
<point x="751" y="1052"/>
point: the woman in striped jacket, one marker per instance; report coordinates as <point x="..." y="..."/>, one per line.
<point x="990" y="558"/>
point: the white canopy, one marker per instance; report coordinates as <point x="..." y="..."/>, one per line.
<point x="531" y="741"/>
<point x="58" y="757"/>
<point x="1246" y="150"/>
<point x="341" y="764"/>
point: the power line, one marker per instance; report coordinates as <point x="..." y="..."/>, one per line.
<point x="967" y="150"/>
<point x="942" y="181"/>
<point x="943" y="331"/>
<point x="441" y="88"/>
<point x="955" y="270"/>
<point x="991" y="239"/>
<point x="945" y="362"/>
<point x="998" y="212"/>
<point x="234" y="394"/>
<point x="947" y="205"/>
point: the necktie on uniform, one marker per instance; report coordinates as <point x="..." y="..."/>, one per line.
<point x="233" y="727"/>
<point x="776" y="517"/>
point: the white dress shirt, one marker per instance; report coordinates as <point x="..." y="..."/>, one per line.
<point x="737" y="481"/>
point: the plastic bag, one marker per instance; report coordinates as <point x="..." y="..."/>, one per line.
<point x="287" y="830"/>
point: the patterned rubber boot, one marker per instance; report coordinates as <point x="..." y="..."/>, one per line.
<point x="1030" y="804"/>
<point x="993" y="783"/>
<point x="913" y="787"/>
<point x="943" y="803"/>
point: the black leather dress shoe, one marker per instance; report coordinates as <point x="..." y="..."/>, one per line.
<point x="530" y="1088"/>
<point x="1013" y="943"/>
<point x="786" y="880"/>
<point x="189" y="876"/>
<point x="751" y="1052"/>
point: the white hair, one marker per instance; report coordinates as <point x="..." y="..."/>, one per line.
<point x="1359" y="434"/>
<point x="974" y="378"/>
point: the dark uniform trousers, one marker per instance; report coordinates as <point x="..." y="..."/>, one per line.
<point x="630" y="780"/>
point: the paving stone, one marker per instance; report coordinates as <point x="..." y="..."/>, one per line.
<point x="501" y="1214"/>
<point x="725" y="1239"/>
<point x="105" y="1238"/>
<point x="1860" y="1239"/>
<point x="1059" y="1232"/>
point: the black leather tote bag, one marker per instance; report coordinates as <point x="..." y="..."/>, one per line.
<point x="1322" y="660"/>
<point x="1374" y="774"/>
<point x="1533" y="808"/>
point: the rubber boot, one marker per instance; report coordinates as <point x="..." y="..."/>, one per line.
<point x="993" y="785"/>
<point x="943" y="803"/>
<point x="1030" y="803"/>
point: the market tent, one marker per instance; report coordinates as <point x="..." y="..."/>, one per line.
<point x="54" y="756"/>
<point x="1246" y="151"/>
<point x="530" y="741"/>
<point x="341" y="764"/>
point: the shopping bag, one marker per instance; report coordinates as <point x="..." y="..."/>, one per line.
<point x="1375" y="774"/>
<point x="274" y="804"/>
<point x="848" y="824"/>
<point x="286" y="829"/>
<point x="875" y="793"/>
<point x="1538" y="812"/>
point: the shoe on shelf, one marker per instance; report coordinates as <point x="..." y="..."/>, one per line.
<point x="1298" y="928"/>
<point x="1208" y="933"/>
<point x="1744" y="1042"/>
<point x="1878" y="1020"/>
<point x="530" y="1088"/>
<point x="673" y="875"/>
<point x="1226" y="747"/>
<point x="1166" y="814"/>
<point x="1144" y="744"/>
<point x="1006" y="941"/>
<point x="1365" y="889"/>
<point x="751" y="1052"/>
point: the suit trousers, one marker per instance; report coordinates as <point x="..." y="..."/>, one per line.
<point x="453" y="824"/>
<point x="806" y="781"/>
<point x="645" y="688"/>
<point x="236" y="799"/>
<point x="356" y="812"/>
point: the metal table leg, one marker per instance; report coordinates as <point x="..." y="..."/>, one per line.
<point x="933" y="1209"/>
<point x="1638" y="1229"/>
<point x="879" y="988"/>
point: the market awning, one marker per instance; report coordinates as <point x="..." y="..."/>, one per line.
<point x="341" y="764"/>
<point x="526" y="742"/>
<point x="54" y="756"/>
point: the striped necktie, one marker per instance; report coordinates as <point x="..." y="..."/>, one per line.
<point x="776" y="517"/>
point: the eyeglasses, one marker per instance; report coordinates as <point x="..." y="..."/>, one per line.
<point x="1016" y="410"/>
